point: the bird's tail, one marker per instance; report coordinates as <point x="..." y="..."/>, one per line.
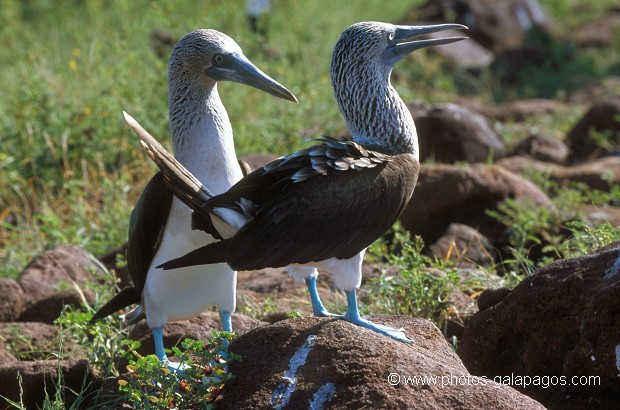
<point x="177" y="178"/>
<point x="127" y="296"/>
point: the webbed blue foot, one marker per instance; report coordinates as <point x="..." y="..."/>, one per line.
<point x="353" y="316"/>
<point x="318" y="309"/>
<point x="160" y="352"/>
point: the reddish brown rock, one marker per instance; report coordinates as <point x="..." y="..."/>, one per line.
<point x="601" y="174"/>
<point x="519" y="110"/>
<point x="601" y="32"/>
<point x="39" y="377"/>
<point x="497" y="25"/>
<point x="542" y="148"/>
<point x="450" y="133"/>
<point x="33" y="340"/>
<point x="448" y="194"/>
<point x="59" y="269"/>
<point x="464" y="246"/>
<point x="560" y="322"/>
<point x="602" y="121"/>
<point x="329" y="363"/>
<point x="47" y="309"/>
<point x="11" y="300"/>
<point x="6" y="356"/>
<point x="598" y="215"/>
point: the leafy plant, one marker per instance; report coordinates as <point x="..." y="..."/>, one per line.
<point x="420" y="289"/>
<point x="149" y="385"/>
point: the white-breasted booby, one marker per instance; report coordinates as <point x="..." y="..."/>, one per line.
<point x="324" y="205"/>
<point x="160" y="225"/>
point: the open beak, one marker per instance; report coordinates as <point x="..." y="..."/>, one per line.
<point x="402" y="44"/>
<point x="236" y="67"/>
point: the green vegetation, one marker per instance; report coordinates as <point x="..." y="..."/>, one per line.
<point x="150" y="385"/>
<point x="71" y="171"/>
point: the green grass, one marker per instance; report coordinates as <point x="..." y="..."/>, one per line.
<point x="71" y="171"/>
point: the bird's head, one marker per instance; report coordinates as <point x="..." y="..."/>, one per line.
<point x="362" y="61"/>
<point x="209" y="56"/>
<point x="384" y="43"/>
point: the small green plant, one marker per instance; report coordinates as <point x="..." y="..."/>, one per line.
<point x="149" y="385"/>
<point x="102" y="342"/>
<point x="420" y="289"/>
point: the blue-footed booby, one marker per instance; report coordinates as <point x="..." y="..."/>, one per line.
<point x="160" y="226"/>
<point x="322" y="206"/>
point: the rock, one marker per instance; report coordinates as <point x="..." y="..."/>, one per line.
<point x="497" y="25"/>
<point x="450" y="133"/>
<point x="40" y="376"/>
<point x="598" y="215"/>
<point x="47" y="309"/>
<point x="559" y="322"/>
<point x="6" y="356"/>
<point x="60" y="268"/>
<point x="329" y="363"/>
<point x="601" y="174"/>
<point x="598" y="33"/>
<point x="199" y="327"/>
<point x="11" y="300"/>
<point x="542" y="148"/>
<point x="491" y="297"/>
<point x="519" y="110"/>
<point x="463" y="245"/>
<point x="469" y="55"/>
<point x="448" y="194"/>
<point x="33" y="340"/>
<point x="601" y="121"/>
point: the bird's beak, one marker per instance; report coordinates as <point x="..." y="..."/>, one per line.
<point x="400" y="46"/>
<point x="236" y="67"/>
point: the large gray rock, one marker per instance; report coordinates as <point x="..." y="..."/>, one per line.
<point x="451" y="132"/>
<point x="601" y="174"/>
<point x="561" y="322"/>
<point x="63" y="268"/>
<point x="600" y="124"/>
<point x="329" y="363"/>
<point x="448" y="194"/>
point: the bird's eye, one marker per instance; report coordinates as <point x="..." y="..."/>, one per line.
<point x="390" y="36"/>
<point x="218" y="59"/>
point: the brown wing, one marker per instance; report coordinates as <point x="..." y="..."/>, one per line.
<point x="333" y="215"/>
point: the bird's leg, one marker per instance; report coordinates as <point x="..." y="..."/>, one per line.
<point x="317" y="306"/>
<point x="160" y="352"/>
<point x="353" y="316"/>
<point x="226" y="319"/>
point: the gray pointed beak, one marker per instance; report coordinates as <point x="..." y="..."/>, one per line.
<point x="236" y="67"/>
<point x="402" y="44"/>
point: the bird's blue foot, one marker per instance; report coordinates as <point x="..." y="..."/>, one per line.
<point x="318" y="309"/>
<point x="353" y="316"/>
<point x="160" y="352"/>
<point x="226" y="319"/>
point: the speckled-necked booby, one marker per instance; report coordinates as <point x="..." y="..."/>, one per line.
<point x="160" y="226"/>
<point x="324" y="205"/>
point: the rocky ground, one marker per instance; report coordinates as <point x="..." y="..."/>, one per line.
<point x="561" y="322"/>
